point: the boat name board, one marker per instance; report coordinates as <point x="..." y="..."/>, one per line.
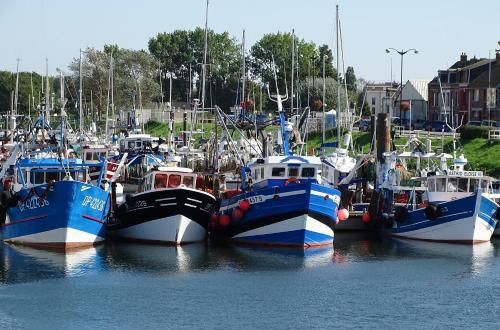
<point x="33" y="203"/>
<point x="256" y="199"/>
<point x="94" y="203"/>
<point x="466" y="173"/>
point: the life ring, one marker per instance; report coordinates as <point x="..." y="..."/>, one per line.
<point x="291" y="180"/>
<point x="433" y="211"/>
<point x="400" y="214"/>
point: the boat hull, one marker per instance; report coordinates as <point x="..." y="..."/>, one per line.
<point x="299" y="215"/>
<point x="70" y="214"/>
<point x="466" y="220"/>
<point x="166" y="216"/>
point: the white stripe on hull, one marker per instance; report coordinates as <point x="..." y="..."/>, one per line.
<point x="470" y="229"/>
<point x="296" y="223"/>
<point x="60" y="236"/>
<point x="176" y="229"/>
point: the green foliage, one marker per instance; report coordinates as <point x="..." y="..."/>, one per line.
<point x="472" y="132"/>
<point x="350" y="79"/>
<point x="8" y="85"/>
<point x="181" y="50"/>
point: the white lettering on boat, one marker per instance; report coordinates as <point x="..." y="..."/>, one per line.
<point x="255" y="199"/>
<point x="94" y="203"/>
<point x="33" y="203"/>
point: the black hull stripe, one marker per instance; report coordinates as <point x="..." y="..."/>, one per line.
<point x="159" y="204"/>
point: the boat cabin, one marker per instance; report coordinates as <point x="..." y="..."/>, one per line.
<point x="457" y="184"/>
<point x="34" y="172"/>
<point x="137" y="142"/>
<point x="93" y="153"/>
<point x="168" y="177"/>
<point x="282" y="170"/>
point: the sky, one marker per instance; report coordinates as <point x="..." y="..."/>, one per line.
<point x="33" y="30"/>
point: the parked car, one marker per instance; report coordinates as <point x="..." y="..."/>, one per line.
<point x="365" y="125"/>
<point x="490" y="123"/>
<point x="474" y="123"/>
<point x="438" y="126"/>
<point x="419" y="124"/>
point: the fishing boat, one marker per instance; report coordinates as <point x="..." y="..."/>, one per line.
<point x="459" y="207"/>
<point x="284" y="204"/>
<point x="49" y="203"/>
<point x="168" y="209"/>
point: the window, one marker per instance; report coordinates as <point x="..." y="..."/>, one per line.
<point x="24" y="177"/>
<point x="484" y="185"/>
<point x="373" y="110"/>
<point x="53" y="176"/>
<point x="440" y="185"/>
<point x="462" y="184"/>
<point x="474" y="184"/>
<point x="431" y="185"/>
<point x="174" y="180"/>
<point x="256" y="174"/>
<point x="373" y="101"/>
<point x="476" y="95"/>
<point x="278" y="171"/>
<point x="307" y="172"/>
<point x="161" y="180"/>
<point x="262" y="172"/>
<point x="188" y="181"/>
<point x="452" y="185"/>
<point x="293" y="171"/>
<point x="39" y="178"/>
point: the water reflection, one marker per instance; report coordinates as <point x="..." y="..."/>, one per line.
<point x="156" y="258"/>
<point x="21" y="263"/>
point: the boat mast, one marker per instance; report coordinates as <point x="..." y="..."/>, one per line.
<point x="80" y="96"/>
<point x="293" y="64"/>
<point x="16" y="95"/>
<point x="338" y="75"/>
<point x="243" y="76"/>
<point x="204" y="68"/>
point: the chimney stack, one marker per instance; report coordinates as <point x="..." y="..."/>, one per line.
<point x="463" y="58"/>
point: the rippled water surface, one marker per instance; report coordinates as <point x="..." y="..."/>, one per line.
<point x="361" y="282"/>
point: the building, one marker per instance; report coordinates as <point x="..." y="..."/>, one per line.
<point x="414" y="99"/>
<point x="461" y="90"/>
<point x="380" y="97"/>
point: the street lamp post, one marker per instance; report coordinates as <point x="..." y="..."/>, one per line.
<point x="324" y="94"/>
<point x="402" y="53"/>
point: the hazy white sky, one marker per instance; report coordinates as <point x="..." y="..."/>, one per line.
<point x="441" y="29"/>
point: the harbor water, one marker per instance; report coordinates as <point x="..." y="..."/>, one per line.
<point x="362" y="282"/>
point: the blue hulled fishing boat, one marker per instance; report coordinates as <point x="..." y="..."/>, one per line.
<point x="50" y="204"/>
<point x="282" y="202"/>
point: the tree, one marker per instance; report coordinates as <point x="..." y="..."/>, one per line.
<point x="350" y="79"/>
<point x="179" y="50"/>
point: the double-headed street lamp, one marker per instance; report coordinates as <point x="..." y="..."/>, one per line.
<point x="402" y="53"/>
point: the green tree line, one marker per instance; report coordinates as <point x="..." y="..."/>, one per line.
<point x="178" y="56"/>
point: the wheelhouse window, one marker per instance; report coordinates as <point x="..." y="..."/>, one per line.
<point x="484" y="185"/>
<point x="24" y="176"/>
<point x="39" y="177"/>
<point x="462" y="184"/>
<point x="56" y="176"/>
<point x="293" y="171"/>
<point x="174" y="181"/>
<point x="440" y="185"/>
<point x="452" y="184"/>
<point x="161" y="180"/>
<point x="474" y="184"/>
<point x="262" y="172"/>
<point x="307" y="172"/>
<point x="431" y="185"/>
<point x="188" y="181"/>
<point x="278" y="171"/>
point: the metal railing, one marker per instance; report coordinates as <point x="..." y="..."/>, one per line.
<point x="494" y="135"/>
<point x="401" y="131"/>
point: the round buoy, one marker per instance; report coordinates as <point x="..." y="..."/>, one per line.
<point x="366" y="217"/>
<point x="237" y="213"/>
<point x="214" y="218"/>
<point x="342" y="214"/>
<point x="244" y="205"/>
<point x="224" y="220"/>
